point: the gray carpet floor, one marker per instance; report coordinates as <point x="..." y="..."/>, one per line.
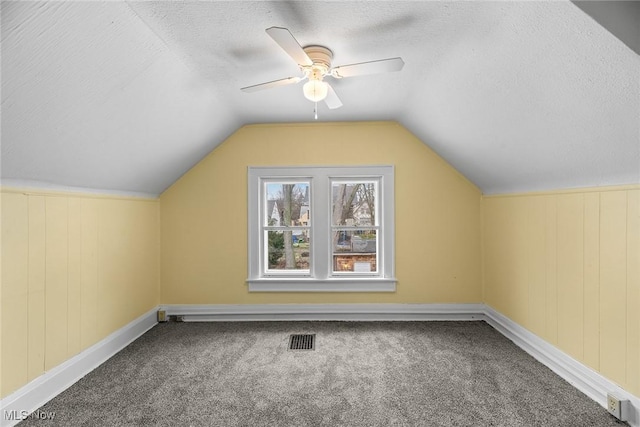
<point x="361" y="374"/>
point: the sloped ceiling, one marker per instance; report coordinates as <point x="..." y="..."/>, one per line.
<point x="518" y="96"/>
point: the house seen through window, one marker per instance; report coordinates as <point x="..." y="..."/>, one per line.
<point x="287" y="226"/>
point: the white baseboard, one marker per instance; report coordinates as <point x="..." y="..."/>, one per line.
<point x="353" y="312"/>
<point x="47" y="386"/>
<point x="575" y="373"/>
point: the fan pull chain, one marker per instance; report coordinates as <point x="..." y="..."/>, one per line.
<point x="315" y="110"/>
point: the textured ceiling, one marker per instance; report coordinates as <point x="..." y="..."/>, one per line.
<point x="518" y="96"/>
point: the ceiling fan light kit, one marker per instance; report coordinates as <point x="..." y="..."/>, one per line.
<point x="315" y="63"/>
<point x="315" y="90"/>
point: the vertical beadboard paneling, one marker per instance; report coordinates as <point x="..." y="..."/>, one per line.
<point x="56" y="295"/>
<point x="89" y="274"/>
<point x="113" y="239"/>
<point x="551" y="273"/>
<point x="51" y="269"/>
<point x="591" y="273"/>
<point x="592" y="279"/>
<point x="144" y="279"/>
<point x="37" y="277"/>
<point x="107" y="277"/>
<point x="536" y="269"/>
<point x="633" y="289"/>
<point x="74" y="302"/>
<point x="15" y="285"/>
<point x="613" y="285"/>
<point x="15" y="236"/>
<point x="518" y="265"/>
<point x="570" y="257"/>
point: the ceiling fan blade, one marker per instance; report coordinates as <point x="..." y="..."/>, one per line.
<point x="285" y="39"/>
<point x="275" y="83"/>
<point x="371" y="67"/>
<point x="332" y="99"/>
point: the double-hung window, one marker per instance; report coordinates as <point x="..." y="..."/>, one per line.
<point x="321" y="229"/>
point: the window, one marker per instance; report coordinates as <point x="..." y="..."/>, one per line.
<point x="321" y="229"/>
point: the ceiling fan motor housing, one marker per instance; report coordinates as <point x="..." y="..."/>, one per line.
<point x="321" y="58"/>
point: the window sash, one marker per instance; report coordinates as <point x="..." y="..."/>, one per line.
<point x="264" y="202"/>
<point x="336" y="181"/>
<point x="352" y="257"/>
<point x="270" y="272"/>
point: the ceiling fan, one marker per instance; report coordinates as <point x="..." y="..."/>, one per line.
<point x="315" y="64"/>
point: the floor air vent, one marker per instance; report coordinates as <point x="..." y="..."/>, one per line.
<point x="302" y="342"/>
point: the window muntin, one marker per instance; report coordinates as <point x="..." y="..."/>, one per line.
<point x="362" y="258"/>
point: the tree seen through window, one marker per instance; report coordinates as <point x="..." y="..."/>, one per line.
<point x="289" y="218"/>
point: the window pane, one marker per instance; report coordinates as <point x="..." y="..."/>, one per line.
<point x="287" y="204"/>
<point x="354" y="203"/>
<point x="355" y="251"/>
<point x="287" y="250"/>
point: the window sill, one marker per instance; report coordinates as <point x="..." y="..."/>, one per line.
<point x="316" y="285"/>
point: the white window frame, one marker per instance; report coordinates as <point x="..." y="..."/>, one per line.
<point x="320" y="277"/>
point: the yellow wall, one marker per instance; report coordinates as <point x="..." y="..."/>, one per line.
<point x="566" y="266"/>
<point x="204" y="215"/>
<point x="74" y="269"/>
